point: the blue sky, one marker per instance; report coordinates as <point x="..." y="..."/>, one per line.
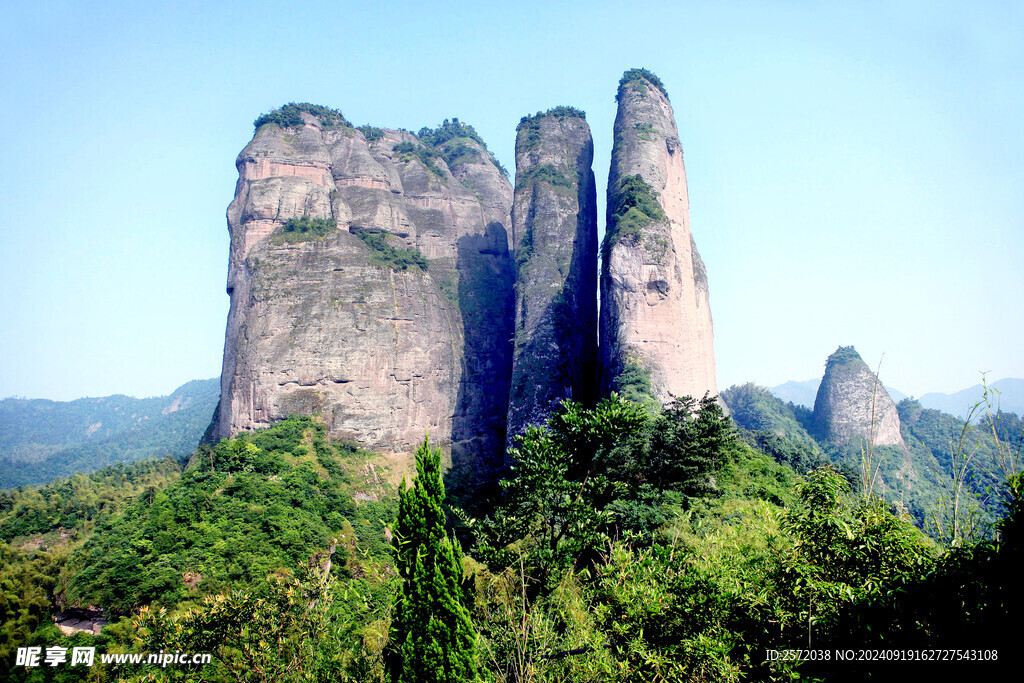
<point x="855" y="169"/>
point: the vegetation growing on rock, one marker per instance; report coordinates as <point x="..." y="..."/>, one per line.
<point x="397" y="258"/>
<point x="633" y="81"/>
<point x="632" y="204"/>
<point x="543" y="173"/>
<point x="304" y="229"/>
<point x="291" y="115"/>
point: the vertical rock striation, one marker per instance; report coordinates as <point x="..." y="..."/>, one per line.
<point x="852" y="404"/>
<point x="655" y="327"/>
<point x="554" y="231"/>
<point x="394" y="317"/>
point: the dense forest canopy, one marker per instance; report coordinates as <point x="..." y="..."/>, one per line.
<point x="627" y="545"/>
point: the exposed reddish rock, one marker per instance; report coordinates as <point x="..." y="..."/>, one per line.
<point x="655" y="313"/>
<point x="323" y="326"/>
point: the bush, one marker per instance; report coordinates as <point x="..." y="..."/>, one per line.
<point x="290" y="115"/>
<point x="371" y="133"/>
<point x="632" y="204"/>
<point x="543" y="173"/>
<point x="637" y="80"/>
<point x="304" y="229"/>
<point x="408" y="151"/>
<point x="398" y="258"/>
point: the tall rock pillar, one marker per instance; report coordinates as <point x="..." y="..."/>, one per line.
<point x="554" y="232"/>
<point x="656" y="330"/>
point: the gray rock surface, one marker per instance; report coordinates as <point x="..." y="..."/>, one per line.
<point x="655" y="314"/>
<point x="852" y="404"/>
<point x="384" y="354"/>
<point x="554" y="229"/>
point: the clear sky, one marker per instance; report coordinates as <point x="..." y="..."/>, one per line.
<point x="856" y="170"/>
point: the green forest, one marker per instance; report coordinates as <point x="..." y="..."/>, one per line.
<point x="627" y="544"/>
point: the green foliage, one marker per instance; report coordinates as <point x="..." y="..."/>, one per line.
<point x="432" y="636"/>
<point x="371" y="133"/>
<point x="304" y="229"/>
<point x="633" y="383"/>
<point x="28" y="580"/>
<point x="844" y="355"/>
<point x="291" y="115"/>
<point x="543" y="173"/>
<point x="560" y="112"/>
<point x="645" y="131"/>
<point x="242" y="509"/>
<point x="280" y="632"/>
<point x="407" y="151"/>
<point x="397" y="258"/>
<point x="594" y="474"/>
<point x="450" y="139"/>
<point x="449" y="130"/>
<point x="458" y="152"/>
<point x="632" y="205"/>
<point x="69" y="503"/>
<point x="636" y="80"/>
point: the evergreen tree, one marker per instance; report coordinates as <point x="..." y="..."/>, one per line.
<point x="432" y="638"/>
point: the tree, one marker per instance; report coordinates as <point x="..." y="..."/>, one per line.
<point x="432" y="638"/>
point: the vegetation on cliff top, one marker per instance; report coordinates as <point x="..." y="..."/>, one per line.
<point x="528" y="131"/>
<point x="662" y="535"/>
<point x="633" y="80"/>
<point x="844" y="355"/>
<point x="291" y="115"/>
<point x="559" y="112"/>
<point x="450" y="139"/>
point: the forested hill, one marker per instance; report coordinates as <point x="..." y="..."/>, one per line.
<point x="943" y="454"/>
<point x="41" y="439"/>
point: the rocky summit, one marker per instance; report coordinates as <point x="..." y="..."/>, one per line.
<point x="852" y="404"/>
<point x="396" y="284"/>
<point x="371" y="282"/>
<point x="656" y="330"/>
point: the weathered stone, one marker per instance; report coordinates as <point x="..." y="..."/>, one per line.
<point x="384" y="354"/>
<point x="554" y="232"/>
<point x="852" y="404"/>
<point x="655" y="322"/>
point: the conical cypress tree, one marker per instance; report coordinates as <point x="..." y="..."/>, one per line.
<point x="432" y="637"/>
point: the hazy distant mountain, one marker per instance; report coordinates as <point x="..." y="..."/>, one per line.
<point x="42" y="439"/>
<point x="803" y="393"/>
<point x="1010" y="398"/>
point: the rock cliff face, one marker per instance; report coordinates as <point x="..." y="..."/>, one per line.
<point x="393" y="317"/>
<point x="554" y="228"/>
<point x="656" y="330"/>
<point x="852" y="404"/>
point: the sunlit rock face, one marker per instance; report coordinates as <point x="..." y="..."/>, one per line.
<point x="852" y="404"/>
<point x="655" y="322"/>
<point x="328" y="325"/>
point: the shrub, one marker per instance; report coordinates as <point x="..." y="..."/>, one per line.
<point x="632" y="204"/>
<point x="398" y="258"/>
<point x="634" y="79"/>
<point x="304" y="229"/>
<point x="290" y="115"/>
<point x="371" y="133"/>
<point x="408" y="151"/>
<point x="543" y="173"/>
